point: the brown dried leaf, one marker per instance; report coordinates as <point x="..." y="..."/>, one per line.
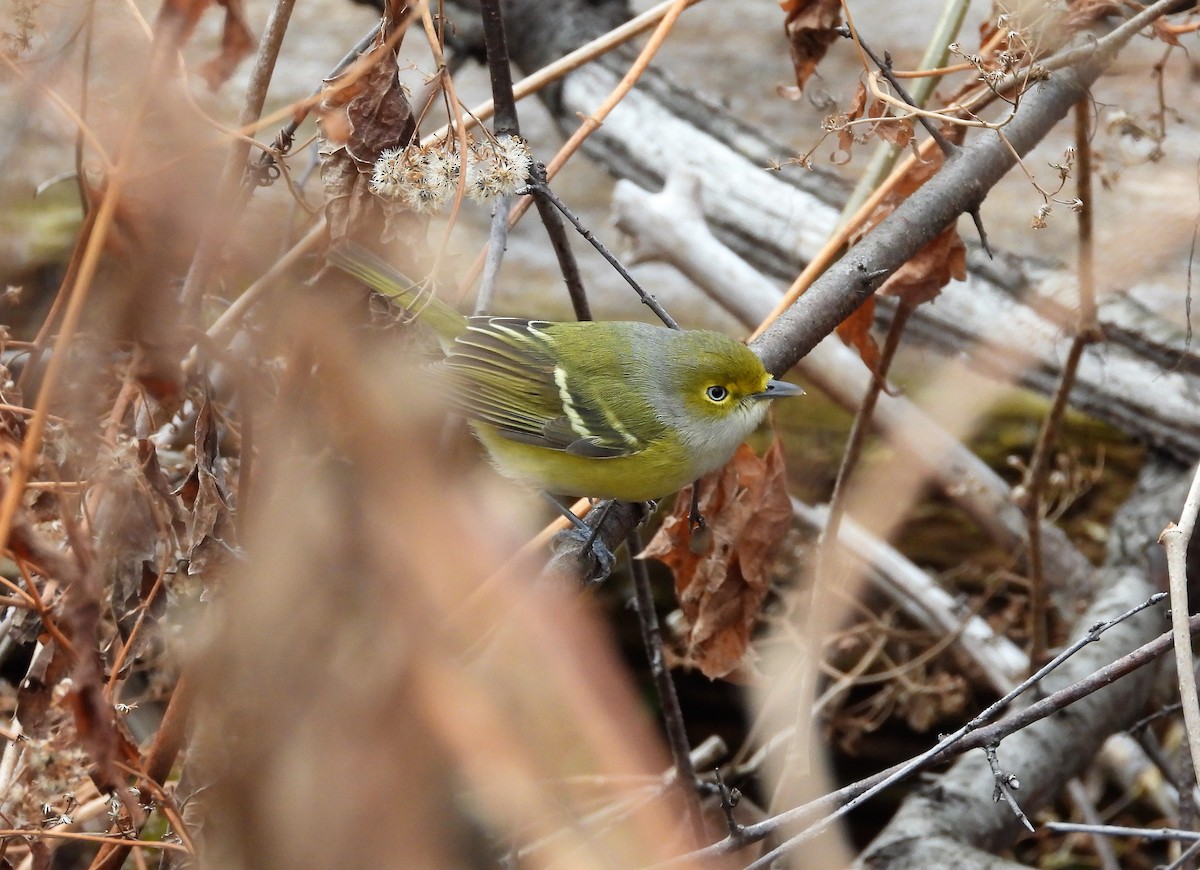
<point x="845" y="132"/>
<point x="809" y="27"/>
<point x="922" y="278"/>
<point x="366" y="110"/>
<point x="177" y="21"/>
<point x="855" y="331"/>
<point x="945" y="257"/>
<point x="1164" y="32"/>
<point x="202" y="493"/>
<point x="237" y="41"/>
<point x="897" y="131"/>
<point x="747" y="510"/>
<point x="362" y="114"/>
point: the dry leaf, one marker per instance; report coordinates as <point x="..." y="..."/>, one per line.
<point x="209" y="525"/>
<point x="1164" y="32"/>
<point x="747" y="510"/>
<point x="809" y="27"/>
<point x="922" y="278"/>
<point x="177" y="20"/>
<point x="362" y="114"/>
<point x="855" y="331"/>
<point x="237" y="41"/>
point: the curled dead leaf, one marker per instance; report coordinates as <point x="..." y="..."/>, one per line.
<point x="809" y="27"/>
<point x="721" y="591"/>
<point x="363" y="112"/>
<point x="177" y="21"/>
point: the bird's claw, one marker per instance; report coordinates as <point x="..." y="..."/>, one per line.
<point x="598" y="560"/>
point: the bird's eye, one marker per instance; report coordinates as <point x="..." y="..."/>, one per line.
<point x="717" y="393"/>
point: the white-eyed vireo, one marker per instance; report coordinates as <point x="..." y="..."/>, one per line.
<point x="604" y="409"/>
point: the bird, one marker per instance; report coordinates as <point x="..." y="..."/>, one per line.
<point x="600" y="409"/>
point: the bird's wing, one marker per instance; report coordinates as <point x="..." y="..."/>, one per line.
<point x="503" y="374"/>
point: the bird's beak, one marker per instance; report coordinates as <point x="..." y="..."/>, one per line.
<point x="777" y="390"/>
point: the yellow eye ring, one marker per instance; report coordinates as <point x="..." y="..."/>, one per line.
<point x="717" y="393"/>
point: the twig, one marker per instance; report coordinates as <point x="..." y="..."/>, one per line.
<point x="287" y="133"/>
<point x="1029" y="497"/>
<point x="85" y="261"/>
<point x="949" y="149"/>
<point x="729" y="800"/>
<point x="496" y="44"/>
<point x="496" y="245"/>
<point x="1185" y="787"/>
<point x="1084" y="216"/>
<point x="168" y="740"/>
<point x="507" y="123"/>
<point x="1188" y="854"/>
<point x="567" y="264"/>
<point x="671" y="711"/>
<point x="1083" y="803"/>
<point x="1006" y="784"/>
<point x="1122" y="831"/>
<point x="958" y="186"/>
<point x="839" y="802"/>
<point x="934" y="59"/>
<point x="230" y="189"/>
<point x="591" y="123"/>
<point x="542" y="189"/>
<point x="943" y="747"/>
<point x="1034" y="482"/>
<point x="1176" y="538"/>
<point x="566" y="64"/>
<point x="860" y="428"/>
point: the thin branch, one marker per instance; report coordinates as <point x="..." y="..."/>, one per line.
<point x="957" y="188"/>
<point x="228" y="198"/>
<point x="973" y="735"/>
<point x="507" y="124"/>
<point x="591" y="123"/>
<point x="1122" y="831"/>
<point x="860" y="428"/>
<point x="567" y="264"/>
<point x="949" y="149"/>
<point x="1033" y="485"/>
<point x="1006" y="785"/>
<point x="540" y="188"/>
<point x="258" y="172"/>
<point x="671" y="711"/>
<point x="496" y="44"/>
<point x="1083" y="803"/>
<point x="1176" y="539"/>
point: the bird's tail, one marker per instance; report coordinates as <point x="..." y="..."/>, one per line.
<point x="386" y="280"/>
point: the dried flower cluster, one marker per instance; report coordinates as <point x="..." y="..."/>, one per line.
<point x="50" y="771"/>
<point x="427" y="177"/>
